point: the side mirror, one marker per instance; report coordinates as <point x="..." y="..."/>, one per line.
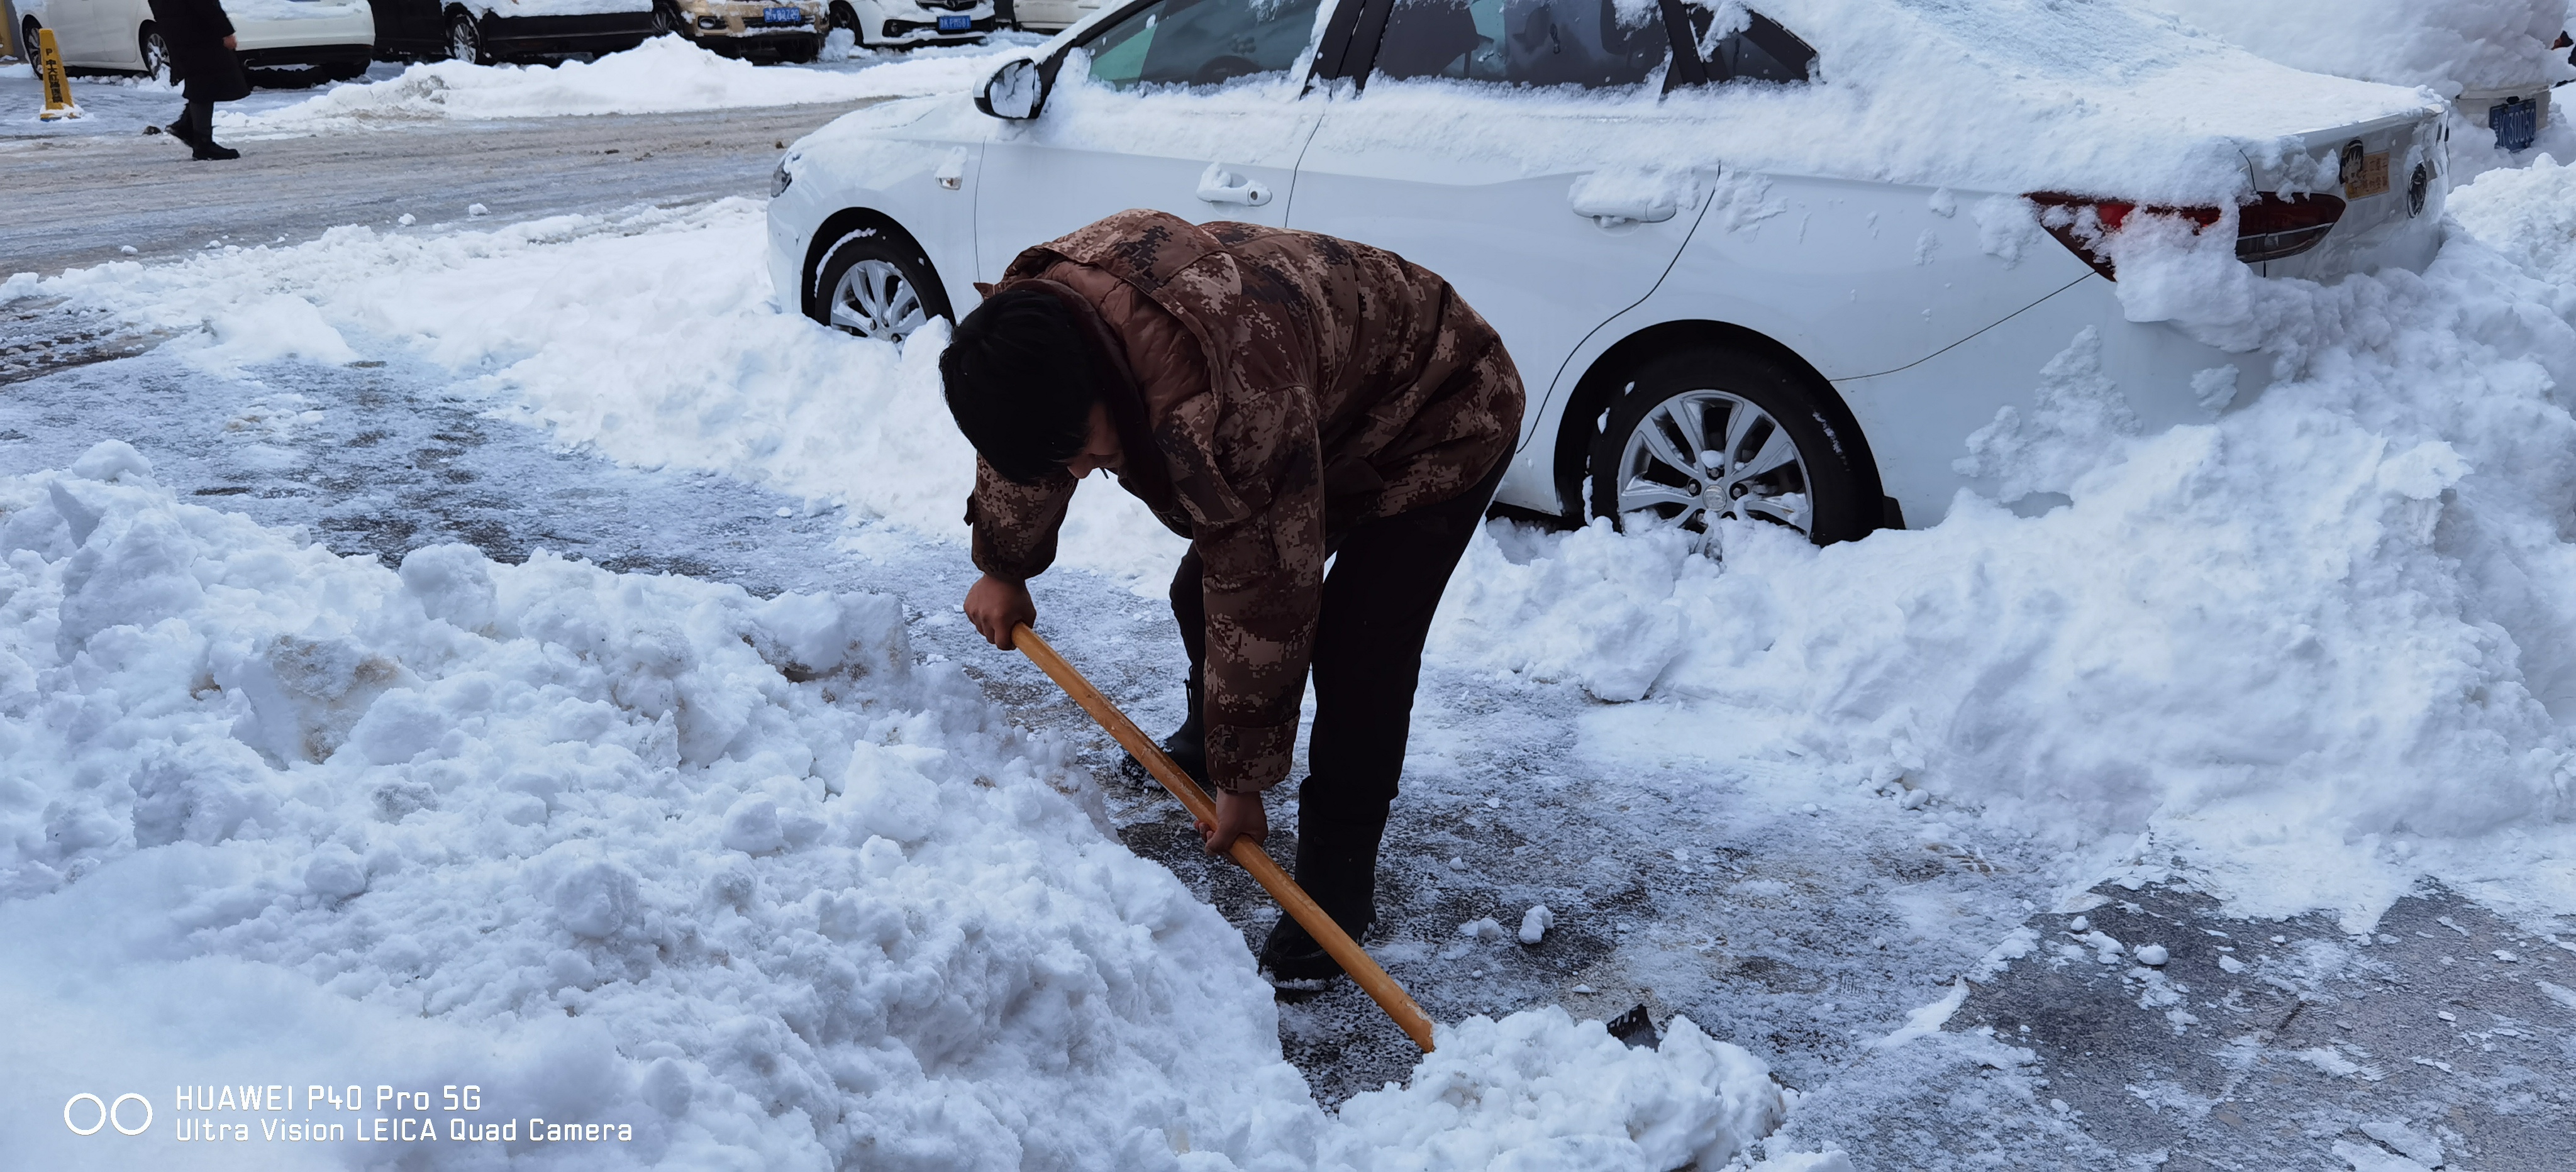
<point x="1015" y="91"/>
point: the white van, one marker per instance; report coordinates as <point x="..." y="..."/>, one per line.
<point x="326" y="40"/>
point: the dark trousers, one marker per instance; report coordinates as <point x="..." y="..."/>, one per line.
<point x="1386" y="579"/>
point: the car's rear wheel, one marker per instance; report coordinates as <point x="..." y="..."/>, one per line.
<point x="465" y="40"/>
<point x="1706" y="433"/>
<point x="877" y="285"/>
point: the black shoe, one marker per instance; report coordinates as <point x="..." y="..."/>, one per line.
<point x="215" y="150"/>
<point x="1292" y="958"/>
<point x="1187" y="747"/>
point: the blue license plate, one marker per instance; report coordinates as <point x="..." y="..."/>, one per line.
<point x="956" y="24"/>
<point x="782" y="16"/>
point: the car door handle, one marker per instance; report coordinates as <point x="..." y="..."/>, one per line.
<point x="1218" y="185"/>
<point x="1611" y="200"/>
<point x="1612" y="211"/>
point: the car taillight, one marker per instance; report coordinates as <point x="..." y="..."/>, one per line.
<point x="2272" y="227"/>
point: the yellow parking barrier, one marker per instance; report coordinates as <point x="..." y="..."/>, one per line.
<point x="58" y="88"/>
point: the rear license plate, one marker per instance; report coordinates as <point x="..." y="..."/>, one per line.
<point x="782" y="16"/>
<point x="2364" y="175"/>
<point x="956" y="24"/>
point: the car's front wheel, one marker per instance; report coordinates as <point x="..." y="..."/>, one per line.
<point x="877" y="285"/>
<point x="1704" y="433"/>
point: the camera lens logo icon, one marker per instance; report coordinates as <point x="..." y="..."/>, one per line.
<point x="106" y="1114"/>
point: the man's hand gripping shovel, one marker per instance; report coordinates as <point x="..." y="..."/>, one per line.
<point x="1292" y="898"/>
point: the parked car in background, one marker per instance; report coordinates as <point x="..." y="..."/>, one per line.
<point x="906" y="23"/>
<point x="757" y="30"/>
<point x="280" y="41"/>
<point x="1050" y="16"/>
<point x="485" y="31"/>
<point x="1774" y="265"/>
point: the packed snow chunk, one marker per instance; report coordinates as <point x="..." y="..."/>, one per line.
<point x="2152" y="955"/>
<point x="1487" y="928"/>
<point x="1541" y="1090"/>
<point x="1535" y="923"/>
<point x="270" y="328"/>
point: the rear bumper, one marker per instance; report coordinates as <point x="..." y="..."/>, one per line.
<point x="607" y="32"/>
<point x="290" y="55"/>
<point x="1918" y="419"/>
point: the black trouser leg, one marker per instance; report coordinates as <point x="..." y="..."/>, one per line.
<point x="1385" y="583"/>
<point x="201" y="123"/>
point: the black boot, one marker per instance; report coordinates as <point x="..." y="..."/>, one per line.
<point x="179" y="129"/>
<point x="1187" y="746"/>
<point x="1337" y="865"/>
<point x="211" y="149"/>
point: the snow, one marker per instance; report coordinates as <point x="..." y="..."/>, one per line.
<point x="2306" y="653"/>
<point x="737" y="876"/>
<point x="541" y="316"/>
<point x="2448" y="47"/>
<point x="242" y="11"/>
<point x="662" y="75"/>
<point x="2004" y="96"/>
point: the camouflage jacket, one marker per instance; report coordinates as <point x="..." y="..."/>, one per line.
<point x="1291" y="385"/>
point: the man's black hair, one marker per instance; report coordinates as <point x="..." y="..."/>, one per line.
<point x="1020" y="382"/>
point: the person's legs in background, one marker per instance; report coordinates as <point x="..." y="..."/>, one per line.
<point x="201" y="131"/>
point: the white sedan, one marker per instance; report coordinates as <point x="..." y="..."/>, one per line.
<point x="332" y="39"/>
<point x="1775" y="264"/>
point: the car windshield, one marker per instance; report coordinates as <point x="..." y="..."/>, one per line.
<point x="1589" y="43"/>
<point x="1202" y="42"/>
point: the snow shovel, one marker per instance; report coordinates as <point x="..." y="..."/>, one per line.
<point x="1292" y="898"/>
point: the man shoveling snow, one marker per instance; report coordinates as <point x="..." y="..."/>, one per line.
<point x="1280" y="398"/>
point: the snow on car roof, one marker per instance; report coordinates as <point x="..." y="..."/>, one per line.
<point x="2451" y="46"/>
<point x="2088" y="96"/>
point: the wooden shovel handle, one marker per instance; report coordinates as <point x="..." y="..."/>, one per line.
<point x="1356" y="961"/>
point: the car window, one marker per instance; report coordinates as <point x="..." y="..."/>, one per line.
<point x="1201" y="42"/>
<point x="1752" y="47"/>
<point x="1589" y="43"/>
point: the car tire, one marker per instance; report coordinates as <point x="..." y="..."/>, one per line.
<point x="877" y="284"/>
<point x="1706" y="423"/>
<point x="156" y="53"/>
<point x="667" y="19"/>
<point x="465" y="40"/>
<point x="846" y="16"/>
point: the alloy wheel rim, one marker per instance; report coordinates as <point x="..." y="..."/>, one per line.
<point x="1707" y="454"/>
<point x="874" y="300"/>
<point x="156" y="57"/>
<point x="460" y="43"/>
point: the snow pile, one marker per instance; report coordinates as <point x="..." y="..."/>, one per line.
<point x="543" y="317"/>
<point x="735" y="877"/>
<point x="2312" y="649"/>
<point x="2449" y="47"/>
<point x="662" y="75"/>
